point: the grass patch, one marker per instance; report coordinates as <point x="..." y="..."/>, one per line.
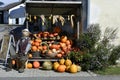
<point x="113" y="70"/>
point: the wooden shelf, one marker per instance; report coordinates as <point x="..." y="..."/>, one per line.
<point x="42" y="59"/>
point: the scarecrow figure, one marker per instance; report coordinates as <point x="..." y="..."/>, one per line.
<point x="22" y="48"/>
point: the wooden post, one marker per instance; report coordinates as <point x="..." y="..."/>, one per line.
<point x="27" y="20"/>
<point x="78" y="29"/>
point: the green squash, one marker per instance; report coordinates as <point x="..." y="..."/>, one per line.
<point x="47" y="65"/>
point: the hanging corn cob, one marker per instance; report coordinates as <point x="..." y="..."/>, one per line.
<point x="35" y="17"/>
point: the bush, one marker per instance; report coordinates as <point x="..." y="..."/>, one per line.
<point x="98" y="53"/>
<point x="115" y="55"/>
<point x="76" y="57"/>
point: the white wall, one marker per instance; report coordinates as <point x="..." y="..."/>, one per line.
<point x="107" y="14"/>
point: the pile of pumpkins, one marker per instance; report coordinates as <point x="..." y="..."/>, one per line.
<point x="57" y="49"/>
<point x="34" y="64"/>
<point x="46" y="65"/>
<point x="66" y="66"/>
<point x="59" y="66"/>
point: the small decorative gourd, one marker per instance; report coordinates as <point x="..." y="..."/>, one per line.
<point x="67" y="69"/>
<point x="29" y="65"/>
<point x="62" y="61"/>
<point x="13" y="62"/>
<point x="68" y="62"/>
<point x="55" y="65"/>
<point x="79" y="68"/>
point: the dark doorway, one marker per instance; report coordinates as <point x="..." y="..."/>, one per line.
<point x="17" y="20"/>
<point x="1" y="17"/>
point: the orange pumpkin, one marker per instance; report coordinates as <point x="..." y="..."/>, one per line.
<point x="62" y="52"/>
<point x="45" y="34"/>
<point x="36" y="64"/>
<point x="39" y="35"/>
<point x="69" y="47"/>
<point x="38" y="40"/>
<point x="34" y="48"/>
<point x="61" y="68"/>
<point x="40" y="47"/>
<point x="44" y="47"/>
<point x="59" y="55"/>
<point x="36" y="43"/>
<point x="49" y="52"/>
<point x="68" y="42"/>
<point x="51" y="35"/>
<point x="57" y="47"/>
<point x="13" y="62"/>
<point x="29" y="65"/>
<point x="65" y="49"/>
<point x="55" y="34"/>
<point x="32" y="42"/>
<point x="63" y="39"/>
<point x="53" y="46"/>
<point x="62" y="44"/>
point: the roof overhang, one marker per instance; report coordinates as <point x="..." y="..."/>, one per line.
<point x="11" y="5"/>
<point x="52" y="7"/>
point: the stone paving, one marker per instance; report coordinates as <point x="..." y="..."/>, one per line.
<point x="42" y="73"/>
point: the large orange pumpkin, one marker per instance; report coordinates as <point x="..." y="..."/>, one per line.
<point x="61" y="68"/>
<point x="36" y="64"/>
<point x="29" y="65"/>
